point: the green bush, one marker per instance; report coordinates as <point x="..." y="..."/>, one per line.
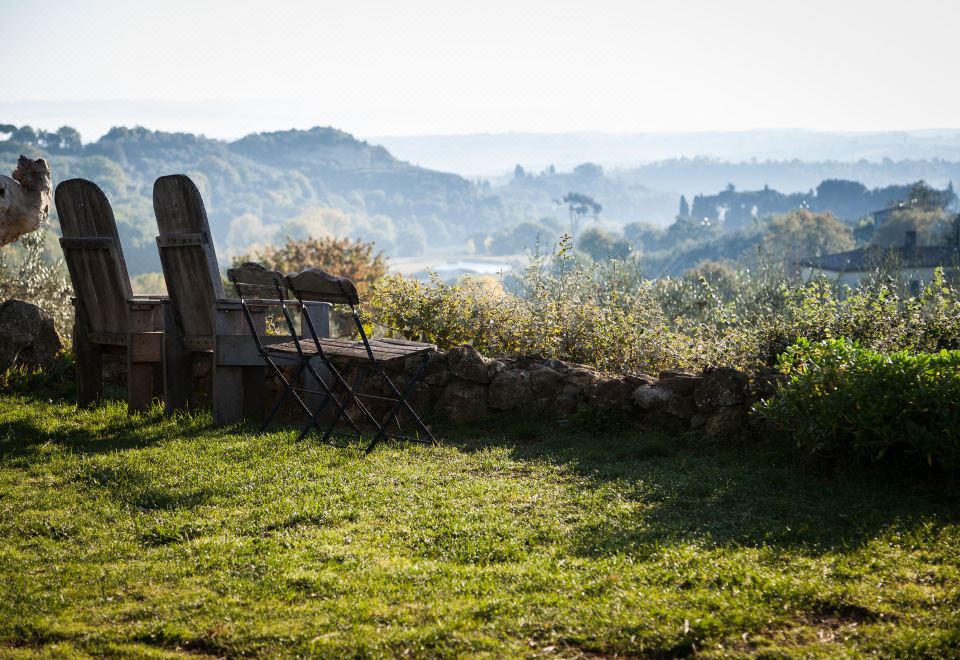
<point x="596" y="314"/>
<point x="844" y="400"/>
<point x="29" y="274"/>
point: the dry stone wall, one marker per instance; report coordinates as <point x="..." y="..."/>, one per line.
<point x="462" y="386"/>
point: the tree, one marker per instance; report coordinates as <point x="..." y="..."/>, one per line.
<point x="928" y="198"/>
<point x="580" y="206"/>
<point x="803" y="233"/>
<point x="684" y="207"/>
<point x="931" y="227"/>
<point x="601" y="245"/>
<point x="69" y="139"/>
<point x="343" y="257"/>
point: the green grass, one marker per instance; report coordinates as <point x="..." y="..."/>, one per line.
<point x="151" y="536"/>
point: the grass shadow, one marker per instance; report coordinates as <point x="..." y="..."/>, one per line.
<point x="693" y="489"/>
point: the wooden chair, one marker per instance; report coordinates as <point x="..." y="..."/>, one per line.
<point x="108" y="317"/>
<point x="201" y="319"/>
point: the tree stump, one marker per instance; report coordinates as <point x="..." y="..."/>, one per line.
<point x="24" y="199"/>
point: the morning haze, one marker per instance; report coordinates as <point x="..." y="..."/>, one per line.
<point x="491" y="329"/>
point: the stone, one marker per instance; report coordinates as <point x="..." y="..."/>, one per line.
<point x="463" y="402"/>
<point x="579" y="377"/>
<point x="675" y="373"/>
<point x="721" y="387"/>
<point x="495" y="367"/>
<point x="659" y="420"/>
<point x="509" y="390"/>
<point x="680" y="384"/>
<point x="566" y="402"/>
<point x="24" y="199"/>
<point x="681" y="406"/>
<point x="650" y="398"/>
<point x="557" y="365"/>
<point x="641" y="379"/>
<point x="27" y="335"/>
<point x="610" y="394"/>
<point x="545" y="382"/>
<point x="728" y="423"/>
<point x="467" y="363"/>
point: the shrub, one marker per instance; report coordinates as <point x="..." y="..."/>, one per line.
<point x="597" y="314"/>
<point x="844" y="400"/>
<point x="344" y="257"/>
<point x="30" y="275"/>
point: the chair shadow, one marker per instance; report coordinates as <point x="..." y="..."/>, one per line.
<point x="22" y="436"/>
<point x="689" y="490"/>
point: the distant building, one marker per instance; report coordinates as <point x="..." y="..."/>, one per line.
<point x="881" y="216"/>
<point x="915" y="262"/>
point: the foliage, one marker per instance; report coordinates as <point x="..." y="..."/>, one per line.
<point x="30" y="275"/>
<point x="598" y="314"/>
<point x="601" y="245"/>
<point x="844" y="400"/>
<point x="579" y="207"/>
<point x="343" y="257"/>
<point x="932" y="227"/>
<point x="802" y="233"/>
<point x="156" y="536"/>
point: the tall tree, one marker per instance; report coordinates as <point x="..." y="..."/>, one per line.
<point x="580" y="206"/>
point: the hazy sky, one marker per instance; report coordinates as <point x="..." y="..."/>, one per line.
<point x="442" y="66"/>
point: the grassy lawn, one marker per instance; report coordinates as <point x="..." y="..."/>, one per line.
<point x="150" y="536"/>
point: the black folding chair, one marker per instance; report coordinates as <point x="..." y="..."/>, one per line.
<point x="314" y="286"/>
<point x="263" y="288"/>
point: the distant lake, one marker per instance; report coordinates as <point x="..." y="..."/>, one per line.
<point x="453" y="264"/>
<point x="481" y="267"/>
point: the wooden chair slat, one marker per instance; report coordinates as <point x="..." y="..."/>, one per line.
<point x="320" y="286"/>
<point x="254" y="274"/>
<point x="86" y="242"/>
<point x="181" y="240"/>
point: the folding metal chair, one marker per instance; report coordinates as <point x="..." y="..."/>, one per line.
<point x="314" y="286"/>
<point x="262" y="288"/>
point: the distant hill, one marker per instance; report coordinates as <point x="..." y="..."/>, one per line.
<point x="254" y="187"/>
<point x="266" y="186"/>
<point x="495" y="154"/>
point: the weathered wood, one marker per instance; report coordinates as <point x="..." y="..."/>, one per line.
<point x="320" y="286"/>
<point x="193" y="282"/>
<point x="93" y="254"/>
<point x="177" y="366"/>
<point x="384" y="350"/>
<point x="143" y="347"/>
<point x="89" y="364"/>
<point x="107" y="313"/>
<point x="187" y="255"/>
<point x="181" y="240"/>
<point x="86" y="242"/>
<point x="254" y="377"/>
<point x="255" y="274"/>
<point x="241" y="351"/>
<point x="24" y="199"/>
<point x="227" y="380"/>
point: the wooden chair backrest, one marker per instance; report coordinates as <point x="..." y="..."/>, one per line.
<point x="91" y="248"/>
<point x="256" y="281"/>
<point x="187" y="256"/>
<point x="320" y="286"/>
